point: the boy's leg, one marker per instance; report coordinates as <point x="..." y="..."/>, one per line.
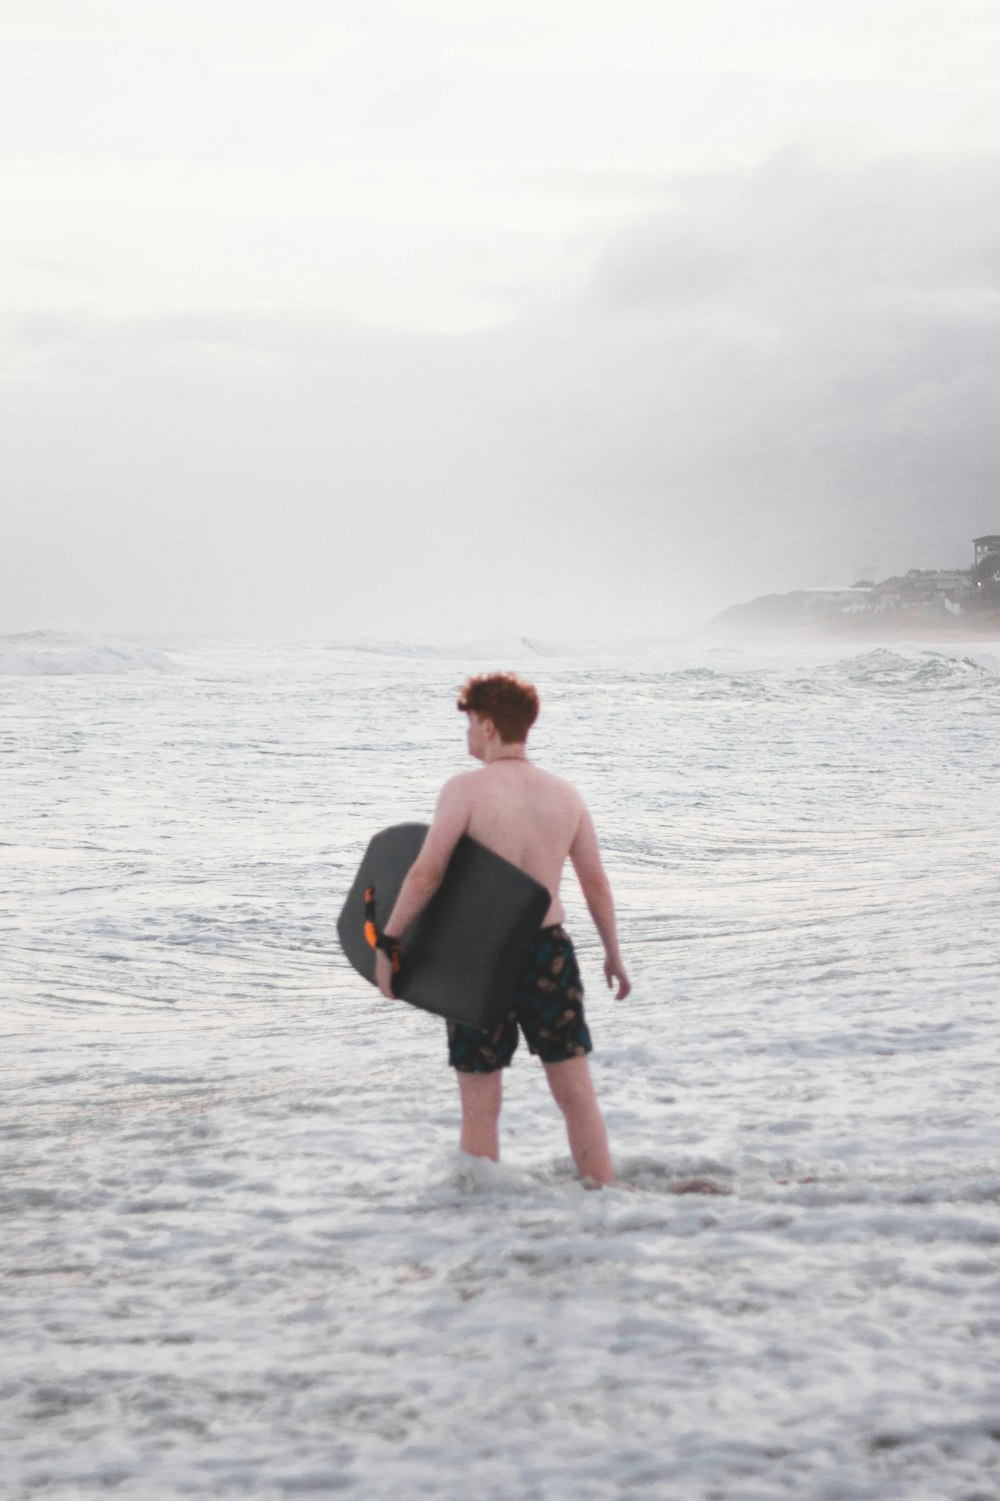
<point x="574" y="1093"/>
<point x="481" y="1096"/>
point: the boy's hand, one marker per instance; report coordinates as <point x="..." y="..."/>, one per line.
<point x="383" y="974"/>
<point x="614" y="970"/>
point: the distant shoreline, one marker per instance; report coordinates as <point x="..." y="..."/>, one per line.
<point x="808" y="633"/>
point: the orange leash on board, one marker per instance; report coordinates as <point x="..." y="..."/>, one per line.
<point x="377" y="940"/>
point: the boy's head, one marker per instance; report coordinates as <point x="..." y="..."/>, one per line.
<point x="511" y="704"/>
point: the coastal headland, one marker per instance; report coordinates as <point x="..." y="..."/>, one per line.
<point x="922" y="604"/>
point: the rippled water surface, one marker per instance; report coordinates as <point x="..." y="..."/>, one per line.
<point x="239" y="1254"/>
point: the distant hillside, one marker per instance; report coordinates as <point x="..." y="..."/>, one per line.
<point x="926" y="602"/>
<point x="769" y="614"/>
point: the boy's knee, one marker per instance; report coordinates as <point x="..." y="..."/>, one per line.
<point x="573" y="1091"/>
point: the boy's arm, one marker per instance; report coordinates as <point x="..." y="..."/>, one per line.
<point x="585" y="854"/>
<point x="451" y="819"/>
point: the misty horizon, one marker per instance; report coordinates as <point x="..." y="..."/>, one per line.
<point x="417" y="368"/>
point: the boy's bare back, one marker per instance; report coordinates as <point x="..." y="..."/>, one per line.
<point x="527" y="815"/>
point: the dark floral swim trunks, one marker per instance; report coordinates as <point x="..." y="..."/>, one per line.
<point x="547" y="1004"/>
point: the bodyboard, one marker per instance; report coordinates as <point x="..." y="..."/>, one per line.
<point x="464" y="953"/>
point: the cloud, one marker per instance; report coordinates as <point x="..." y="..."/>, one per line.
<point x="770" y="330"/>
<point x="781" y="377"/>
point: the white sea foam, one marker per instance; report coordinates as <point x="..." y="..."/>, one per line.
<point x="240" y="1255"/>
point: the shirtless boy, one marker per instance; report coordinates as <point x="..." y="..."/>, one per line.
<point x="534" y="820"/>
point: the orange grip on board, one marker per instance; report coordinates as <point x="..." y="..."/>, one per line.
<point x="372" y="933"/>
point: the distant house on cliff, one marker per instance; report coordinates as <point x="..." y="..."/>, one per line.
<point x="842" y="598"/>
<point x="920" y="593"/>
<point x="951" y="582"/>
<point x="919" y="589"/>
<point x="985" y="577"/>
<point x="923" y="599"/>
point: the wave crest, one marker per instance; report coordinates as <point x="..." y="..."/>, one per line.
<point x="922" y="669"/>
<point x="74" y="654"/>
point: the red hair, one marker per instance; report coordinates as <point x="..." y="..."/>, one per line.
<point x="510" y="703"/>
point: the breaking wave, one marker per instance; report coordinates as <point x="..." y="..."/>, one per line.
<point x="75" y="654"/>
<point x="899" y="671"/>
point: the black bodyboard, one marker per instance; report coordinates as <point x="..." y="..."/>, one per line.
<point x="464" y="953"/>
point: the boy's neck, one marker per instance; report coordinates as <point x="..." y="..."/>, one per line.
<point x="502" y="752"/>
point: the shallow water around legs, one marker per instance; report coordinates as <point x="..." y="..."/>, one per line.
<point x="239" y="1254"/>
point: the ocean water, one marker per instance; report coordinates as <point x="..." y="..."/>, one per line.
<point x="239" y="1252"/>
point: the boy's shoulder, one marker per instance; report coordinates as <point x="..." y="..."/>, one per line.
<point x="561" y="784"/>
<point x="458" y="787"/>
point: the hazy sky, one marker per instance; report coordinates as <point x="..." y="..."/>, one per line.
<point x="454" y="318"/>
